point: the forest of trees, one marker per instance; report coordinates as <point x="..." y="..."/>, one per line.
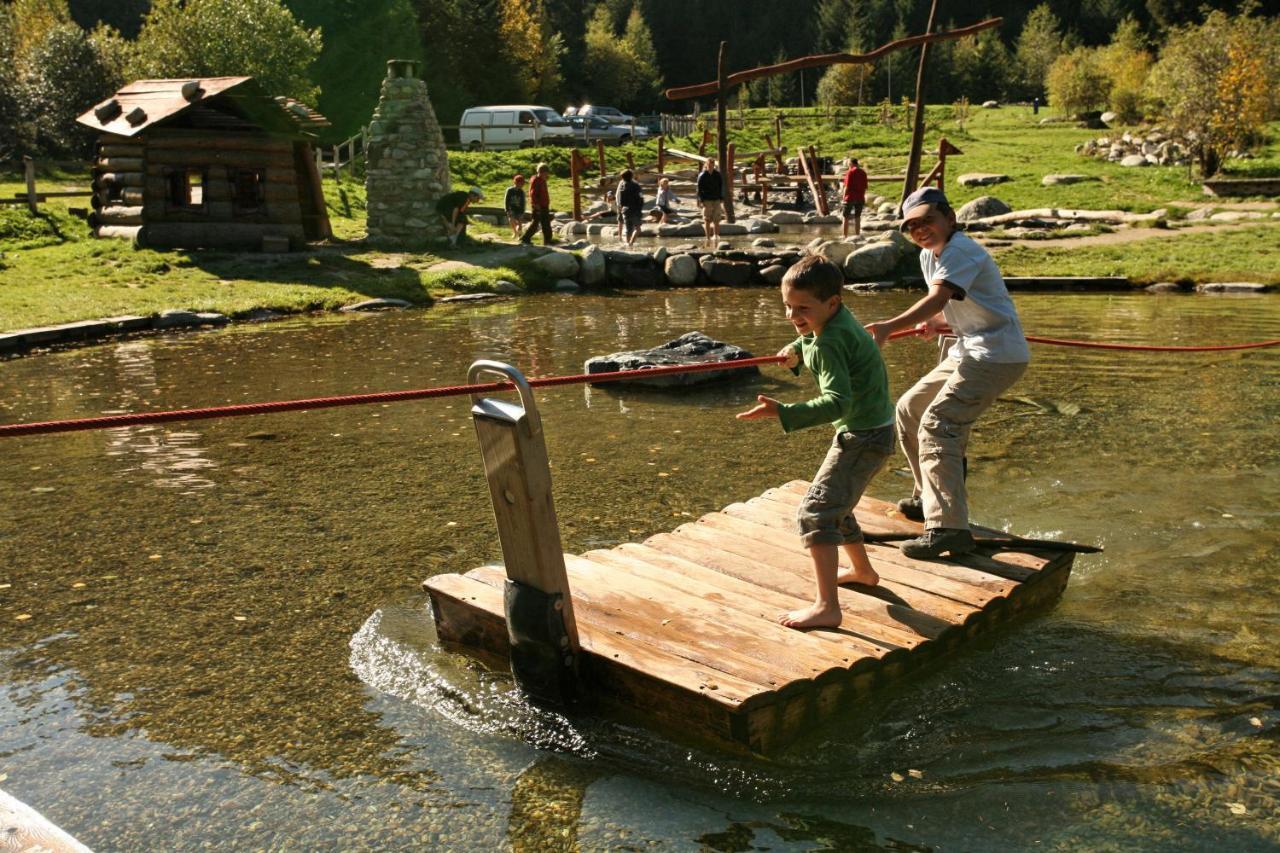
<point x="57" y="57"/>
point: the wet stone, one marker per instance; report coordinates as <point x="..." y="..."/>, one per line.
<point x="375" y="305"/>
<point x="690" y="348"/>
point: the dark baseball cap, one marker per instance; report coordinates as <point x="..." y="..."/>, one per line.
<point x="925" y="196"/>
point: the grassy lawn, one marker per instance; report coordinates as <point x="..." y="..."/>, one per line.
<point x="51" y="271"/>
<point x="1247" y="254"/>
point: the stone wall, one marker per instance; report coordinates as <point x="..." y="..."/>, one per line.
<point x="408" y="167"/>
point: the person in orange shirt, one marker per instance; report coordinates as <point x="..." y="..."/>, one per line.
<point x="855" y="196"/>
<point x="539" y="207"/>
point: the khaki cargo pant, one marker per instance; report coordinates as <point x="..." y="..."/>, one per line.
<point x="934" y="419"/>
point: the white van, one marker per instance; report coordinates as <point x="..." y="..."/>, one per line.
<point x="512" y="126"/>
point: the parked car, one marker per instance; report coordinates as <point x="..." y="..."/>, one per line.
<point x="590" y="128"/>
<point x="512" y="126"/>
<point x="613" y="115"/>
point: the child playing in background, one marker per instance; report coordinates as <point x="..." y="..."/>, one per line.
<point x="853" y="396"/>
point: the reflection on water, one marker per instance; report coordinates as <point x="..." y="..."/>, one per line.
<point x="240" y="657"/>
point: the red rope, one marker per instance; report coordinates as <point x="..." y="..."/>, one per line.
<point x="111" y="421"/>
<point x="1062" y="342"/>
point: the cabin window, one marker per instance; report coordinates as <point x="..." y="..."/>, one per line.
<point x="247" y="190"/>
<point x="526" y="117"/>
<point x="186" y="189"/>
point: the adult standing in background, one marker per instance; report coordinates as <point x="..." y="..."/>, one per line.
<point x="855" y="196"/>
<point x="711" y="200"/>
<point x="539" y="207"/>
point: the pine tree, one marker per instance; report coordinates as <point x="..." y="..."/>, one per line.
<point x="533" y="49"/>
<point x="610" y="73"/>
<point x="1039" y="44"/>
<point x="637" y="44"/>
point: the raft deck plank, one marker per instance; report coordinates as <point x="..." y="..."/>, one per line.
<point x="681" y="630"/>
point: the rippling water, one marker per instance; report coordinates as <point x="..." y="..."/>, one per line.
<point x="213" y="633"/>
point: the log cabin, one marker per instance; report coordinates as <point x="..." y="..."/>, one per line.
<point x="211" y="163"/>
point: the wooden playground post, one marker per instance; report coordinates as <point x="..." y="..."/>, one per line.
<point x="728" y="179"/>
<point x="702" y="146"/>
<point x="917" y="129"/>
<point x="816" y="186"/>
<point x="722" y="133"/>
<point x="575" y="177"/>
<point x="29" y="170"/>
<point x="631" y="162"/>
<point x="662" y="154"/>
<point x="600" y="157"/>
<point x="777" y="129"/>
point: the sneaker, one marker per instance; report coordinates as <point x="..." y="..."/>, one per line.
<point x="939" y="540"/>
<point x="912" y="508"/>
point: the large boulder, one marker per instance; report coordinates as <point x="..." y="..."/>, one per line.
<point x="897" y="238"/>
<point x="982" y="207"/>
<point x="732" y="229"/>
<point x="1054" y="180"/>
<point x="758" y="225"/>
<point x="773" y="274"/>
<point x="835" y="251"/>
<point x="690" y="348"/>
<point x="639" y="276"/>
<point x="872" y="261"/>
<point x="1134" y="160"/>
<point x="980" y="179"/>
<point x="626" y="256"/>
<point x="687" y="229"/>
<point x="786" y="217"/>
<point x="558" y="264"/>
<point x="681" y="270"/>
<point x="593" y="266"/>
<point x="720" y="271"/>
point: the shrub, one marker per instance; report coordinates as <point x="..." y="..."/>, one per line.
<point x="1218" y="82"/>
<point x="1078" y="82"/>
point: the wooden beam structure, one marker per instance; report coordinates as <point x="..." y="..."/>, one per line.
<point x="701" y="90"/>
<point x="917" y="128"/>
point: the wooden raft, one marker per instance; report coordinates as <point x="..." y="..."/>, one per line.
<point x="681" y="628"/>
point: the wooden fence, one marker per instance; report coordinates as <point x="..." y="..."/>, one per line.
<point x="33" y="198"/>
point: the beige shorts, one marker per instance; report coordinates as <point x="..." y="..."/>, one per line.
<point x="712" y="211"/>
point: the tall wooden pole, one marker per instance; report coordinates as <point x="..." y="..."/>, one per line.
<point x="575" y="177"/>
<point x="917" y="131"/>
<point x="722" y="138"/>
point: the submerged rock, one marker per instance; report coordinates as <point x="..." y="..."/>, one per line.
<point x="690" y="348"/>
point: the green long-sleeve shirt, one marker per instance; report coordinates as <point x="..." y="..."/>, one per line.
<point x="853" y="385"/>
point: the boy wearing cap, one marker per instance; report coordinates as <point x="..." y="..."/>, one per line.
<point x="452" y="207"/>
<point x="513" y="201"/>
<point x="853" y="396"/>
<point x="968" y="294"/>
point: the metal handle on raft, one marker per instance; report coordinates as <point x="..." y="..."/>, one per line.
<point x="533" y="421"/>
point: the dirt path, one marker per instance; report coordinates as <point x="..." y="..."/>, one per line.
<point x="493" y="256"/>
<point x="1130" y="235"/>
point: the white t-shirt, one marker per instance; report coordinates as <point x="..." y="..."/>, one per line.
<point x="982" y="315"/>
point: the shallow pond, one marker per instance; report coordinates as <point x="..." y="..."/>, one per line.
<point x="213" y="632"/>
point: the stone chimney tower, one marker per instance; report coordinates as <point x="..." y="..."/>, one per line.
<point x="408" y="167"/>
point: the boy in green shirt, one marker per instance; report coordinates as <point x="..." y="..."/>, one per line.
<point x="853" y="396"/>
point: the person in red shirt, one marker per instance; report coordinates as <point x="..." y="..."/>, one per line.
<point x="539" y="207"/>
<point x="855" y="196"/>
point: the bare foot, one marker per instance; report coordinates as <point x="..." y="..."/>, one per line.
<point x="812" y="617"/>
<point x="866" y="578"/>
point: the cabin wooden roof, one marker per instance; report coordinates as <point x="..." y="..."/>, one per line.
<point x="144" y="104"/>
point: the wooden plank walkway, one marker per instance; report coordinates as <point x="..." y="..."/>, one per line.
<point x="681" y="628"/>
